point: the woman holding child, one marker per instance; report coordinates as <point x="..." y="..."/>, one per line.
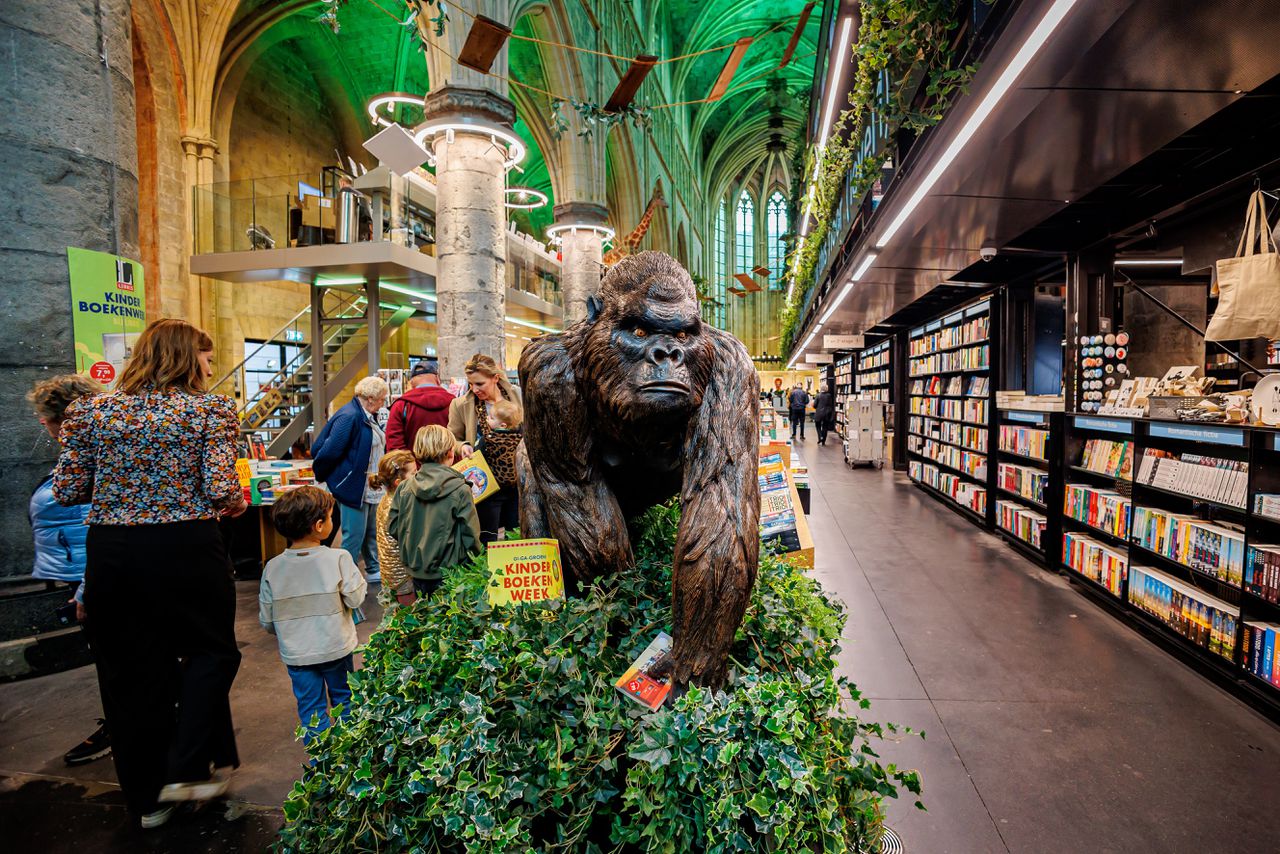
<point x="488" y="418"/>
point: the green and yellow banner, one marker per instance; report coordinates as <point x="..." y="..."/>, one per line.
<point x="108" y="311"/>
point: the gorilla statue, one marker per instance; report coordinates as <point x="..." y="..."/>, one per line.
<point x="639" y="402"/>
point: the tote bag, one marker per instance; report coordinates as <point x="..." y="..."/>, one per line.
<point x="1249" y="283"/>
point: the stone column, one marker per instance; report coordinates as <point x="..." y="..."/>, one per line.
<point x="69" y="156"/>
<point x="581" y="253"/>
<point x="471" y="243"/>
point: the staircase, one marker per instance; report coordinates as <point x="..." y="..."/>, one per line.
<point x="280" y="411"/>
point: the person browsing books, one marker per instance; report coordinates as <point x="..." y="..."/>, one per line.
<point x="306" y="599"/>
<point x="426" y="402"/>
<point x="432" y="515"/>
<point x="468" y="419"/>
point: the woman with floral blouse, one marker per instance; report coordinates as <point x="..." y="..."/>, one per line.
<point x="155" y="460"/>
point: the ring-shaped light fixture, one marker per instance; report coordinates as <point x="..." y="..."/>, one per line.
<point x="525" y="199"/>
<point x="391" y="100"/>
<point x="556" y="232"/>
<point x="515" y="146"/>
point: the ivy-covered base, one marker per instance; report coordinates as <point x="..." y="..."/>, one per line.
<point x="484" y="730"/>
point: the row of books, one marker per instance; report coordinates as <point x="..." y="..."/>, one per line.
<point x="979" y="386"/>
<point x="1267" y="504"/>
<point x="1262" y="572"/>
<point x="974" y="465"/>
<point x="964" y="435"/>
<point x="972" y="411"/>
<point x="1110" y="457"/>
<point x="975" y="330"/>
<point x="1098" y="508"/>
<point x="1259" y="652"/>
<point x="876" y="357"/>
<point x="1024" y="523"/>
<point x="777" y="513"/>
<point x="960" y="491"/>
<point x="1213" y="549"/>
<point x="1204" y="620"/>
<point x="881" y="393"/>
<point x="1027" y="441"/>
<point x="1030" y="483"/>
<point x="880" y="377"/>
<point x="1096" y="560"/>
<point x="1210" y="478"/>
<point x="977" y="358"/>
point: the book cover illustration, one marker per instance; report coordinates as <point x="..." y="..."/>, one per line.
<point x="523" y="571"/>
<point x="641" y="682"/>
<point x="476" y="472"/>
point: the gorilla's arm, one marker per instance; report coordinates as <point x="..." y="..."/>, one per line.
<point x="569" y="490"/>
<point x="718" y="546"/>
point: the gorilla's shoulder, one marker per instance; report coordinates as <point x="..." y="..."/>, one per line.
<point x="545" y="361"/>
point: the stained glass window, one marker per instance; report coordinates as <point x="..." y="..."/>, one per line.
<point x="719" y="275"/>
<point x="744" y="236"/>
<point x="775" y="227"/>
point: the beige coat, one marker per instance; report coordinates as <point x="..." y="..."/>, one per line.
<point x="462" y="416"/>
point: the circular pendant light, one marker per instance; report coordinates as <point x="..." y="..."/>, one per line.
<point x="525" y="199"/>
<point x="382" y="108"/>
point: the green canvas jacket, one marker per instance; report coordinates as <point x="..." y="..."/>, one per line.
<point x="433" y="518"/>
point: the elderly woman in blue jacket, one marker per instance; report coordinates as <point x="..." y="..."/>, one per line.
<point x="343" y="456"/>
<point x="60" y="531"/>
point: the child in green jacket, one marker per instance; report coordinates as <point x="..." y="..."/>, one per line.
<point x="432" y="515"/>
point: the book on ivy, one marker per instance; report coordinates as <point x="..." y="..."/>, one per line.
<point x="641" y="682"/>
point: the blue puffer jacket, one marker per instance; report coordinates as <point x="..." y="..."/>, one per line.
<point x="340" y="454"/>
<point x="59" y="535"/>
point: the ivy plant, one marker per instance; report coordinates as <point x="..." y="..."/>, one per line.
<point x="474" y="729"/>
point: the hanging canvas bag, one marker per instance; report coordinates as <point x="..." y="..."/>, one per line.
<point x="1249" y="283"/>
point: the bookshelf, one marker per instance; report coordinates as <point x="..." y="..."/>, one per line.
<point x="1028" y="482"/>
<point x="844" y="377"/>
<point x="950" y="437"/>
<point x="875" y="372"/>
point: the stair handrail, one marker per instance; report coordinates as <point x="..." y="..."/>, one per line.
<point x="271" y="339"/>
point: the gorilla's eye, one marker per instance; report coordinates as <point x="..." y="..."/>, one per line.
<point x="682" y="335"/>
<point x="640" y="333"/>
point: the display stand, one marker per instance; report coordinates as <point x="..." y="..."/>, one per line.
<point x="1029" y="490"/>
<point x="803" y="552"/>
<point x="951" y="399"/>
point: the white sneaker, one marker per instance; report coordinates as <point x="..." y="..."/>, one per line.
<point x="157" y="818"/>
<point x="374" y="578"/>
<point x="198" y="790"/>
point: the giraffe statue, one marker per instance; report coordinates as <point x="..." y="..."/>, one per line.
<point x="629" y="244"/>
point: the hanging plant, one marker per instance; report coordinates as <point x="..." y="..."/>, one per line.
<point x="908" y="43"/>
<point x="594" y="117"/>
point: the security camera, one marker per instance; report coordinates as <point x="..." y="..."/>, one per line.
<point x="988" y="251"/>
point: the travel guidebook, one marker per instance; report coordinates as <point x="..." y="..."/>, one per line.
<point x="639" y="683"/>
<point x="524" y="571"/>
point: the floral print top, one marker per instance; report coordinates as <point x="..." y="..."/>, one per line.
<point x="151" y="458"/>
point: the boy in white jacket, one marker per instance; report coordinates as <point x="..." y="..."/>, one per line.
<point x="305" y="600"/>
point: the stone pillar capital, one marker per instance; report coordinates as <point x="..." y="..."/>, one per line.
<point x="581" y="213"/>
<point x="458" y="103"/>
<point x="199" y="146"/>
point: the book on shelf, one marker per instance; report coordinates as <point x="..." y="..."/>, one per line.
<point x="961" y="491"/>
<point x="1028" y="482"/>
<point x="1109" y="457"/>
<point x="1196" y="475"/>
<point x="979" y="386"/>
<point x="1026" y="441"/>
<point x="1214" y="549"/>
<point x="1262" y="572"/>
<point x="1022" y="522"/>
<point x="975" y="330"/>
<point x="1267" y="504"/>
<point x="1259" y="653"/>
<point x="777" y="512"/>
<point x="1098" y="508"/>
<point x="1204" y="620"/>
<point x="1095" y="560"/>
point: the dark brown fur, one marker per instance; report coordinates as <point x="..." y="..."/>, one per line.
<point x="600" y="448"/>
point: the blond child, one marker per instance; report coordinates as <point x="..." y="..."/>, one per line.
<point x="306" y="599"/>
<point x="432" y="515"/>
<point x="397" y="583"/>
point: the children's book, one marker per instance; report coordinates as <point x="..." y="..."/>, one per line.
<point x="476" y="472"/>
<point x="640" y="682"/>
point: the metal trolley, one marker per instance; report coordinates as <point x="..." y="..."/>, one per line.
<point x="864" y="432"/>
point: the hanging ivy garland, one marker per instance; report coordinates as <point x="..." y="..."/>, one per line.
<point x="594" y="117"/>
<point x="910" y="43"/>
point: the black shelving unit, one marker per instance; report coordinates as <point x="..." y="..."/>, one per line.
<point x="950" y="403"/>
<point x="845" y="378"/>
<point x="874" y="377"/>
<point x="1016" y="472"/>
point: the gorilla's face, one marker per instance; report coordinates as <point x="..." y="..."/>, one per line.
<point x="658" y="346"/>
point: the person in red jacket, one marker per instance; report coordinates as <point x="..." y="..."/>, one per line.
<point x="426" y="402"/>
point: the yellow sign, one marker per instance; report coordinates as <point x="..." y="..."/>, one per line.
<point x="476" y="472"/>
<point x="524" y="571"/>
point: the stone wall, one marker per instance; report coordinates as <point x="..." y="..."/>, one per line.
<point x="68" y="154"/>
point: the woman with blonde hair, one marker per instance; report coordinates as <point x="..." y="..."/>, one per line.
<point x="470" y="421"/>
<point x="155" y="460"/>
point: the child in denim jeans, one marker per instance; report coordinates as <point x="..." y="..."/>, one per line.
<point x="306" y="601"/>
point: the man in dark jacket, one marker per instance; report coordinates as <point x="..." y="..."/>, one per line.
<point x="798" y="400"/>
<point x="824" y="414"/>
<point x="426" y="402"/>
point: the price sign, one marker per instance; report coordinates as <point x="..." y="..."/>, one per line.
<point x="103" y="372"/>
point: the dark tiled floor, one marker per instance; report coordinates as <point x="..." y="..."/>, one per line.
<point x="1051" y="726"/>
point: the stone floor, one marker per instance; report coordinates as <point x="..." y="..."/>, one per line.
<point x="1050" y="725"/>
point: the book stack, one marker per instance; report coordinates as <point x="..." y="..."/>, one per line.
<point x="777" y="514"/>
<point x="1267" y="504"/>
<point x="1098" y="508"/>
<point x="1204" y="620"/>
<point x="1196" y="475"/>
<point x="1027" y="525"/>
<point x="1108" y="457"/>
<point x="1027" y="441"/>
<point x="1262" y="572"/>
<point x="1096" y="560"/>
<point x="1259" y="653"/>
<point x="1028" y="482"/>
<point x="1207" y="547"/>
